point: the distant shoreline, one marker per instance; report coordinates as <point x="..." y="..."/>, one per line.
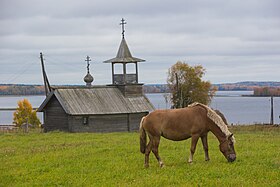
<point x="229" y="95"/>
<point x="39" y="90"/>
<point x="21" y="95"/>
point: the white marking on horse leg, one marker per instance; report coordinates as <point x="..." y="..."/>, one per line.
<point x="190" y="158"/>
<point x="161" y="164"/>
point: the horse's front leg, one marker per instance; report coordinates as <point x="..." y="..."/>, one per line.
<point x="193" y="146"/>
<point x="205" y="147"/>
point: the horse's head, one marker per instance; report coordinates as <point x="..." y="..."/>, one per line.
<point x="227" y="148"/>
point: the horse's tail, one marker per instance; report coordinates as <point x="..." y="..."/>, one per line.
<point x="143" y="136"/>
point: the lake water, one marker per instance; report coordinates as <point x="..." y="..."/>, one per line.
<point x="237" y="109"/>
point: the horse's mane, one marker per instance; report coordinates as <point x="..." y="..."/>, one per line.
<point x="211" y="114"/>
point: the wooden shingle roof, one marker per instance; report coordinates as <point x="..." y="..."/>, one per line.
<point x="97" y="100"/>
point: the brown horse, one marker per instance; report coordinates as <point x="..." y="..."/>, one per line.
<point x="194" y="121"/>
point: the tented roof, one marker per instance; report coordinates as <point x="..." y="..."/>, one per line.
<point x="124" y="55"/>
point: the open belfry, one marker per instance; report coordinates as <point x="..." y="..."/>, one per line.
<point x="104" y="108"/>
<point x="127" y="83"/>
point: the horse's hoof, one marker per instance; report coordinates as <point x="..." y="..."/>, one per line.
<point x="146" y="165"/>
<point x="161" y="164"/>
<point x="190" y="161"/>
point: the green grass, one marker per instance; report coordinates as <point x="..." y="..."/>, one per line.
<point x="114" y="159"/>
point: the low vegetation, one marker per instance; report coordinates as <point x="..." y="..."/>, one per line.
<point x="25" y="115"/>
<point x="114" y="159"/>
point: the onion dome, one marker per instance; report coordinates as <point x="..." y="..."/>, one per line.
<point x="88" y="78"/>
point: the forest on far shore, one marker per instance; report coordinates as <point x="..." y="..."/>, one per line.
<point x="21" y="89"/>
<point x="259" y="88"/>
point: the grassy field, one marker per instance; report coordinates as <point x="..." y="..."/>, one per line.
<point x="114" y="159"/>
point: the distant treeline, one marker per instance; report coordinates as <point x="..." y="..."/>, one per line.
<point x="156" y="88"/>
<point x="260" y="88"/>
<point x="246" y="85"/>
<point x="239" y="86"/>
<point x="267" y="91"/>
<point x="20" y="89"/>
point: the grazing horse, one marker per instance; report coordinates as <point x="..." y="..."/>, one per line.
<point x="194" y="121"/>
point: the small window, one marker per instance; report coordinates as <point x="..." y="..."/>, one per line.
<point x="85" y="120"/>
<point x="131" y="68"/>
<point x="118" y="68"/>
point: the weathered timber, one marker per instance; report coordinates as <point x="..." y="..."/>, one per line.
<point x="55" y="117"/>
<point x="93" y="109"/>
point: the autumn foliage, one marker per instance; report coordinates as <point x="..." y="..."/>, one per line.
<point x="267" y="91"/>
<point x="186" y="85"/>
<point x="21" y="89"/>
<point x="25" y="114"/>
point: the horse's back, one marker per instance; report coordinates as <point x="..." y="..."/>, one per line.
<point x="175" y="124"/>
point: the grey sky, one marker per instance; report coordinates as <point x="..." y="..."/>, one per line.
<point x="234" y="40"/>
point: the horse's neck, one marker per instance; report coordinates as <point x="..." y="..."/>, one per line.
<point x="217" y="132"/>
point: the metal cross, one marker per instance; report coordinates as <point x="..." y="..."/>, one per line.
<point x="88" y="60"/>
<point x="123" y="23"/>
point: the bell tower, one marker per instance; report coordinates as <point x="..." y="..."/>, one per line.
<point x="126" y="82"/>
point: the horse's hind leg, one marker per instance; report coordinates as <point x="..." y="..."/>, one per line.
<point x="147" y="153"/>
<point x="155" y="145"/>
<point x="205" y="147"/>
<point x="193" y="146"/>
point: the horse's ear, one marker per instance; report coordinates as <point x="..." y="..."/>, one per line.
<point x="230" y="136"/>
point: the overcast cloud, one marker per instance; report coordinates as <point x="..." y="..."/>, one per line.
<point x="234" y="40"/>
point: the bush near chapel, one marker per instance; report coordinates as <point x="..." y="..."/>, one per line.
<point x="25" y="114"/>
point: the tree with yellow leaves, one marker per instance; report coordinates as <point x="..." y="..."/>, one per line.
<point x="25" y="114"/>
<point x="186" y="85"/>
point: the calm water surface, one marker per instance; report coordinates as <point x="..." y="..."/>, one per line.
<point x="237" y="109"/>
